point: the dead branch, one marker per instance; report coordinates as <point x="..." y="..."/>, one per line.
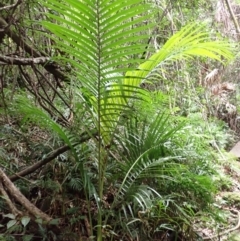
<point x="50" y="157"/>
<point x="11" y="6"/>
<point x="18" y="196"/>
<point x="39" y="164"/>
<point x="50" y="67"/>
<point x="41" y="98"/>
<point x="24" y="61"/>
<point x="7" y="199"/>
<point x="53" y="87"/>
<point x="233" y="16"/>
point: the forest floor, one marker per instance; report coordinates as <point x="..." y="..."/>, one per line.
<point x="227" y="201"/>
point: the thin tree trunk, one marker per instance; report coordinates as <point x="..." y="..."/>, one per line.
<point x="235" y="21"/>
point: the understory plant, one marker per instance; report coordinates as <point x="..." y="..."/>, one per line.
<point x="132" y="169"/>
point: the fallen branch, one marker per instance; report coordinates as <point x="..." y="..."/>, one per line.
<point x="39" y="164"/>
<point x="18" y="196"/>
<point x="50" y="157"/>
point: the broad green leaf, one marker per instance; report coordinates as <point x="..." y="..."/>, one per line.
<point x="39" y="220"/>
<point x="11" y="223"/>
<point x="25" y="220"/>
<point x="9" y="215"/>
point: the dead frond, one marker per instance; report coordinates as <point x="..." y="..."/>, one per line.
<point x="212" y="78"/>
<point x="222" y="88"/>
<point x="231" y="110"/>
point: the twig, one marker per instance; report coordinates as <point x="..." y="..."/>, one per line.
<point x="11" y="6"/>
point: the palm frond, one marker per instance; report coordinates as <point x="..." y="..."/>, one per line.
<point x="146" y="158"/>
<point x="96" y="33"/>
<point x="34" y="114"/>
<point x="30" y="112"/>
<point x="142" y="136"/>
<point x="191" y="41"/>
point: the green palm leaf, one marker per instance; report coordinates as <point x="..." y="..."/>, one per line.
<point x="146" y="158"/>
<point x="34" y="114"/>
<point x="191" y="41"/>
<point x="96" y="33"/>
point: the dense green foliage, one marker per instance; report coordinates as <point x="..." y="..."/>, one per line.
<point x="137" y="161"/>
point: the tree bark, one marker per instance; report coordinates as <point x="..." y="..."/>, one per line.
<point x="7" y="199"/>
<point x="18" y="196"/>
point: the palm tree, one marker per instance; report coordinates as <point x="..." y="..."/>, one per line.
<point x="101" y="40"/>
